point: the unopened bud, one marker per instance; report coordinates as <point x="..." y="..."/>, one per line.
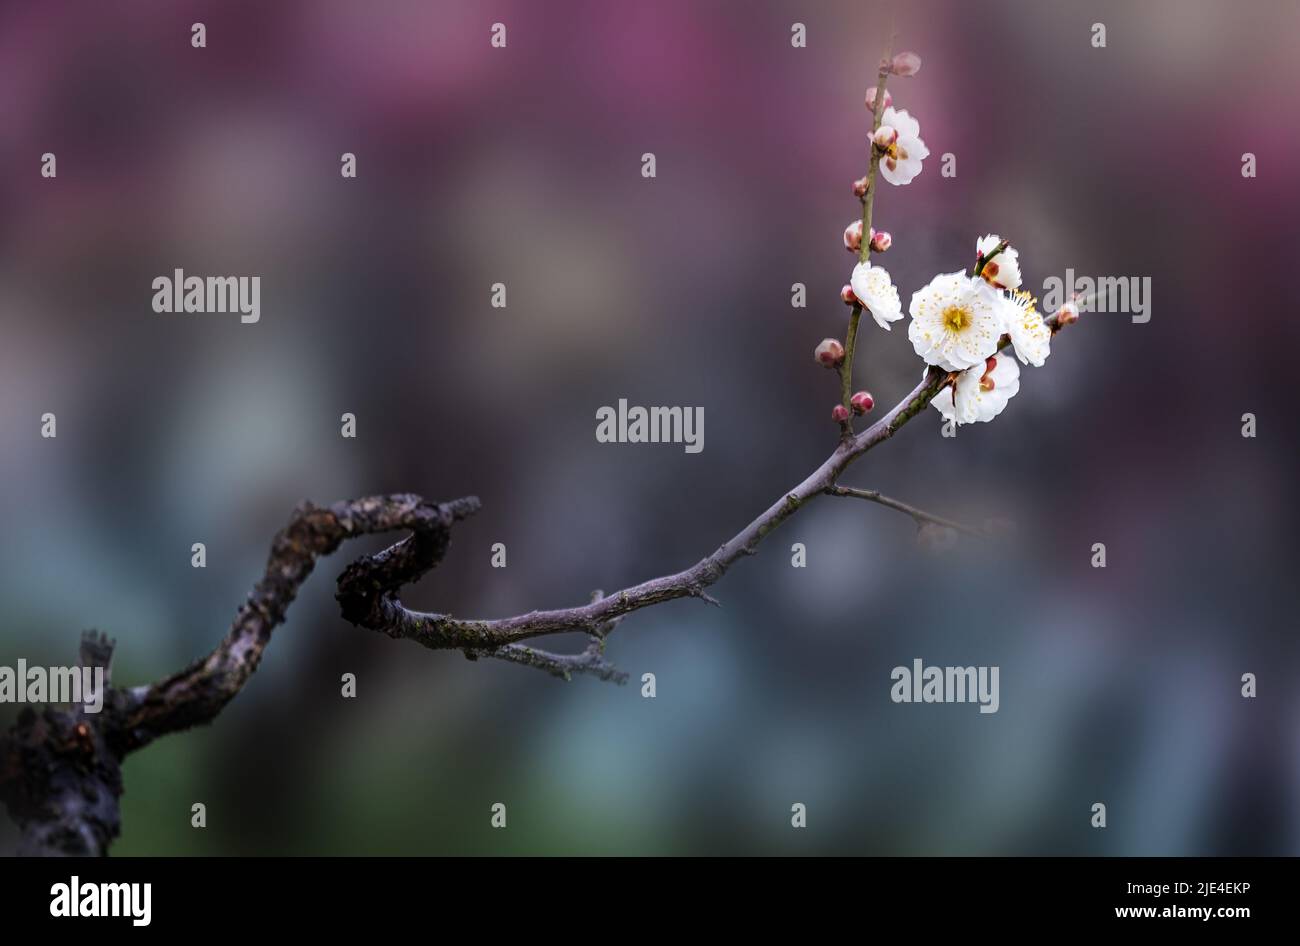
<point x="829" y="353"/>
<point x="871" y="99"/>
<point x="1069" y="312"/>
<point x="885" y="136"/>
<point x="881" y="241"/>
<point x="847" y="296"/>
<point x="905" y="64"/>
<point x="853" y="236"/>
<point x="839" y="413"/>
<point x="862" y="402"/>
<point x="860" y="188"/>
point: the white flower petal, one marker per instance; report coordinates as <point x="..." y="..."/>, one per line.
<point x="1006" y="384"/>
<point x="872" y="286"/>
<point x="955" y="323"/>
<point x="899" y="119"/>
<point x="1006" y="374"/>
<point x="911" y="149"/>
<point x="970" y="403"/>
<point x="967" y="396"/>
<point x="1003" y="271"/>
<point x="1006" y="269"/>
<point x="903" y="171"/>
<point x="1030" y="335"/>
<point x="943" y="402"/>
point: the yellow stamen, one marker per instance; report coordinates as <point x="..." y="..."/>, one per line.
<point x="956" y="318"/>
<point x="1026" y="301"/>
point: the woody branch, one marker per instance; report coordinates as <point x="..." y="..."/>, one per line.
<point x="60" y="773"/>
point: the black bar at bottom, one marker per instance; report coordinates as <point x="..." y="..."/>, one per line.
<point x="235" y="895"/>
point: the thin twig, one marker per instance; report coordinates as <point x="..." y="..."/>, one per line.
<point x="918" y="515"/>
<point x="590" y="661"/>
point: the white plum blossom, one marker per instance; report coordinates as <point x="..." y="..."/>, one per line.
<point x="1024" y="323"/>
<point x="900" y="161"/>
<point x="1003" y="271"/>
<point x="981" y="393"/>
<point x="872" y="286"/>
<point x="956" y="322"/>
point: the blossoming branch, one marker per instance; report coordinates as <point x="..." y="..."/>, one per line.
<point x="60" y="771"/>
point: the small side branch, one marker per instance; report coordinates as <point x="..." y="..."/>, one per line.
<point x="590" y="661"/>
<point x="919" y="516"/>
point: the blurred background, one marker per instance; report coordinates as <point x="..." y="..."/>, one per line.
<point x="523" y="166"/>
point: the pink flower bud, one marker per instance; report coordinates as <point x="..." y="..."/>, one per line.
<point x="847" y="296"/>
<point x="860" y="188"/>
<point x="871" y="99"/>
<point x="905" y="64"/>
<point x="862" y="402"/>
<point x="1069" y="312"/>
<point x="853" y="236"/>
<point x="880" y="241"/>
<point x="829" y="353"/>
<point x="885" y="136"/>
<point x="839" y="413"/>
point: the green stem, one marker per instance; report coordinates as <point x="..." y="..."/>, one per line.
<point x="984" y="260"/>
<point x="864" y="254"/>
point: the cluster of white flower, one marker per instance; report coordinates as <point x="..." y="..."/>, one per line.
<point x="958" y="322"/>
<point x="960" y="319"/>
